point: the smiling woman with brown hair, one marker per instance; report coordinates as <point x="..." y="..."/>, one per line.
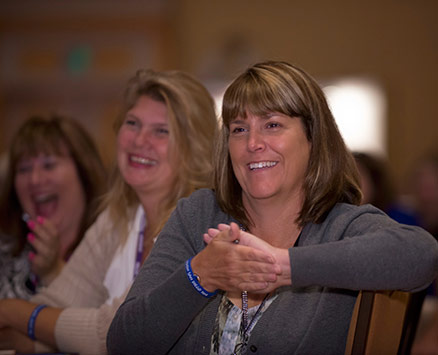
<point x="270" y="261"/>
<point x="54" y="177"/>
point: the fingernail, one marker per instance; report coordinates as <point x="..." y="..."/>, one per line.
<point x="40" y="219"/>
<point x="31" y="255"/>
<point x="31" y="224"/>
<point x="30" y="237"/>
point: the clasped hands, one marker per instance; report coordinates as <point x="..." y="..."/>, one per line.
<point x="235" y="260"/>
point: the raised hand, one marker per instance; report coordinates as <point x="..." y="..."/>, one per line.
<point x="241" y="237"/>
<point x="213" y="232"/>
<point x="46" y="260"/>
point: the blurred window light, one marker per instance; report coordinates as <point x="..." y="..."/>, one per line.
<point x="217" y="90"/>
<point x="359" y="108"/>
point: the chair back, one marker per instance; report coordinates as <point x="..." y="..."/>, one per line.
<point x="384" y="322"/>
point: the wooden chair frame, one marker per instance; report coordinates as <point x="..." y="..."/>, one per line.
<point x="384" y="322"/>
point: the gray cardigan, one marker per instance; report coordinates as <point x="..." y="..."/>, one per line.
<point x="354" y="248"/>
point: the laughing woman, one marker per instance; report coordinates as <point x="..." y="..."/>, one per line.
<point x="270" y="261"/>
<point x="54" y="179"/>
<point x="164" y="149"/>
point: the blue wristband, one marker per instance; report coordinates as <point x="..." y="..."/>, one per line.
<point x="32" y="319"/>
<point x="194" y="281"/>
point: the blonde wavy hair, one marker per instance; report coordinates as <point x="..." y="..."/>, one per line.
<point x="276" y="86"/>
<point x="192" y="126"/>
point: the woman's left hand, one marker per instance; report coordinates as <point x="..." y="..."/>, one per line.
<point x="46" y="261"/>
<point x="233" y="234"/>
<point x="239" y="236"/>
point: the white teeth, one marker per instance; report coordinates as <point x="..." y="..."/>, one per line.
<point x="143" y="161"/>
<point x="263" y="164"/>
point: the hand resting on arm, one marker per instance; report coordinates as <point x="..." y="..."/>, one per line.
<point x="251" y="264"/>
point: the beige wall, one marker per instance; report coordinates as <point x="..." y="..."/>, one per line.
<point x="74" y="58"/>
<point x="394" y="42"/>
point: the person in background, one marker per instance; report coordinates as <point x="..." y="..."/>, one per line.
<point x="270" y="260"/>
<point x="424" y="185"/>
<point x="423" y="201"/>
<point x="53" y="179"/>
<point x="378" y="189"/>
<point x="164" y="148"/>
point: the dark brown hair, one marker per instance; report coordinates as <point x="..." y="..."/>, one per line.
<point x="51" y="135"/>
<point x="281" y="87"/>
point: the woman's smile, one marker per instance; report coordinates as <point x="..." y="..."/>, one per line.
<point x="139" y="161"/>
<point x="262" y="165"/>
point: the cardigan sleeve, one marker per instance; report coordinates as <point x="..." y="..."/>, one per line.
<point x="161" y="292"/>
<point x="360" y="248"/>
<point x="84" y="330"/>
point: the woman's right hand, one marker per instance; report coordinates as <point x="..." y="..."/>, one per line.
<point x="46" y="261"/>
<point x="242" y="237"/>
<point x="229" y="266"/>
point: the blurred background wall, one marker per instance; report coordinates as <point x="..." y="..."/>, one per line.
<point x="74" y="57"/>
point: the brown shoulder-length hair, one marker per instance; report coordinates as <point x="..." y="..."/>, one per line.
<point x="192" y="126"/>
<point x="277" y="86"/>
<point x="57" y="135"/>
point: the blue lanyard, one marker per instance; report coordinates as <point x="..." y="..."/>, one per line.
<point x="140" y="241"/>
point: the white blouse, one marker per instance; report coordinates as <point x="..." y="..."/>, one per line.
<point x="120" y="274"/>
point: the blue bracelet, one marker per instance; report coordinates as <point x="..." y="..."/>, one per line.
<point x="32" y="319"/>
<point x="194" y="281"/>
